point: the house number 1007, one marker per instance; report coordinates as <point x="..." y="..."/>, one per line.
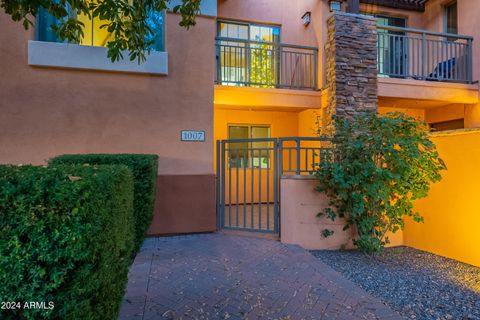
<point x="191" y="135"/>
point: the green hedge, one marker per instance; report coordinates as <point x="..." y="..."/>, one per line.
<point x="144" y="168"/>
<point x="66" y="237"/>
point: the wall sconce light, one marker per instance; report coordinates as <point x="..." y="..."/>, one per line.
<point x="335" y="5"/>
<point x="307" y="18"/>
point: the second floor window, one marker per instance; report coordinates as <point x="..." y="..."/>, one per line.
<point x="451" y="21"/>
<point x="248" y="54"/>
<point x="94" y="35"/>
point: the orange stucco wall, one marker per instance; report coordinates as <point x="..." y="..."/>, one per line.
<point x="46" y="111"/>
<point x="282" y="124"/>
<point x="300" y="224"/>
<point x="452" y="208"/>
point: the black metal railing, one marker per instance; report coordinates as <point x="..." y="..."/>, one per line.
<point x="424" y="55"/>
<point x="266" y="64"/>
<point x="303" y="155"/>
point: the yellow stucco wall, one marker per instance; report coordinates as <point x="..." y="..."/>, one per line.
<point x="282" y="124"/>
<point x="452" y="208"/>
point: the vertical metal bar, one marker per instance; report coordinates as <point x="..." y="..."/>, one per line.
<point x="428" y="59"/>
<point x="280" y="163"/>
<point x="306" y="159"/>
<point x="219" y="181"/>
<point x="217" y="61"/>
<point x="459" y="62"/>
<point x="313" y="159"/>
<point x="268" y="186"/>
<point x="272" y="59"/>
<point x="229" y="157"/>
<point x="470" y="63"/>
<point x="252" y="188"/>
<point x="223" y="162"/>
<point x="237" y="80"/>
<point x="276" y="180"/>
<point x="291" y="74"/>
<point x="424" y="41"/>
<point x="404" y="56"/>
<point x="260" y="189"/>
<point x="229" y="68"/>
<point x="237" y="185"/>
<point x="300" y="69"/>
<point x="458" y="55"/>
<point x="441" y="59"/>
<point x="249" y="63"/>
<point x="465" y="61"/>
<point x="289" y="159"/>
<point x="452" y="71"/>
<point x="281" y="67"/>
<point x="297" y="149"/>
<point x="244" y="164"/>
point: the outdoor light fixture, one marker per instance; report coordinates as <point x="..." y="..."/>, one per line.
<point x="307" y="18"/>
<point x="335" y="5"/>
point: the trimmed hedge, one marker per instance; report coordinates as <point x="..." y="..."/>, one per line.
<point x="144" y="168"/>
<point x="66" y="237"/>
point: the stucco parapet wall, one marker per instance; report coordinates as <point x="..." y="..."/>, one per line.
<point x="207" y="7"/>
<point x="73" y="56"/>
<point x="267" y="98"/>
<point x="457" y="132"/>
<point x="298" y="177"/>
<point x="428" y="90"/>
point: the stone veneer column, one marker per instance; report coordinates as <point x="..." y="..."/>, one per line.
<point x="351" y="64"/>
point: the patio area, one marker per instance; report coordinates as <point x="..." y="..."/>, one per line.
<point x="218" y="276"/>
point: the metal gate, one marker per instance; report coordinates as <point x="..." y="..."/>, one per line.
<point x="248" y="178"/>
<point x="248" y="185"/>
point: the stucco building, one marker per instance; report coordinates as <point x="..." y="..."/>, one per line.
<point x="249" y="69"/>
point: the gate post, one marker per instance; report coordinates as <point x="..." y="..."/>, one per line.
<point x="277" y="169"/>
<point x="218" y="181"/>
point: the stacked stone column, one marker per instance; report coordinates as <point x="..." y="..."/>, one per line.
<point x="351" y="66"/>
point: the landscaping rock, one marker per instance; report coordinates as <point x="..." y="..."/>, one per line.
<point x="417" y="284"/>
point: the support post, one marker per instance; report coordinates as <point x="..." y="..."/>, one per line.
<point x="353" y="6"/>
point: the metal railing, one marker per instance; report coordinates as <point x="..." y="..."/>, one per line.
<point x="266" y="64"/>
<point x="303" y="155"/>
<point x="424" y="55"/>
<point x="248" y="177"/>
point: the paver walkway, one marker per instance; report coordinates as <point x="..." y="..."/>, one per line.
<point x="218" y="276"/>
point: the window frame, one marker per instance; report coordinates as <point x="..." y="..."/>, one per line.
<point x="249" y="146"/>
<point x="445" y="8"/>
<point x="249" y="25"/>
<point x="90" y="42"/>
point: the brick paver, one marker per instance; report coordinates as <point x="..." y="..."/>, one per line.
<point x="218" y="276"/>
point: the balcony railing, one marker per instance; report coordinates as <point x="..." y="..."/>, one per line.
<point x="423" y="55"/>
<point x="265" y="64"/>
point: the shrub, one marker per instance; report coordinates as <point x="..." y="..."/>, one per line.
<point x="144" y="168"/>
<point x="382" y="164"/>
<point x="66" y="238"/>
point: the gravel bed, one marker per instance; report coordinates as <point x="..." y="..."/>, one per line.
<point x="416" y="284"/>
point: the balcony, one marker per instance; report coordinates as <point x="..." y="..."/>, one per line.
<point x="256" y="64"/>
<point x="423" y="55"/>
